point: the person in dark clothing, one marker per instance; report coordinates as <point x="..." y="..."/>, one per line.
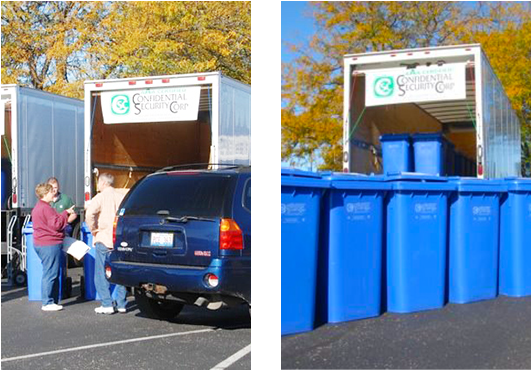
<point x="61" y="202"/>
<point x="48" y="235"/>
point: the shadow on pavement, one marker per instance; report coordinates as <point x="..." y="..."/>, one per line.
<point x="13" y="292"/>
<point x="227" y="319"/>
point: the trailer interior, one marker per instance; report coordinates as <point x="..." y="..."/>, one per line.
<point x="129" y="151"/>
<point x="455" y="119"/>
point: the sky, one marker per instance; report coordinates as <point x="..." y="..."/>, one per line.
<point x="295" y="26"/>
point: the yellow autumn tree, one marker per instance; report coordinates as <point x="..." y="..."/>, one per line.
<point x="312" y="85"/>
<point x="56" y="45"/>
<point x="158" y="37"/>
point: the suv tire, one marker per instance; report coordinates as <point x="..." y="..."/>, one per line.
<point x="152" y="308"/>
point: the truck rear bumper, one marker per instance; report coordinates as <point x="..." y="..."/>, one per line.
<point x="234" y="277"/>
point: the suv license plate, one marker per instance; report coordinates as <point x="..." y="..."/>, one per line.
<point x="162" y="239"/>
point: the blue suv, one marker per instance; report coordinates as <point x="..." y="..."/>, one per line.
<point x="184" y="237"/>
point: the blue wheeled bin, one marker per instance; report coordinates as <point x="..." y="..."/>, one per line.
<point x="350" y="259"/>
<point x="301" y="194"/>
<point x="449" y="159"/>
<point x="474" y="240"/>
<point x="429" y="153"/>
<point x="34" y="268"/>
<point x="416" y="242"/>
<point x="514" y="265"/>
<point x="6" y="182"/>
<point x="396" y="153"/>
<point x="459" y="164"/>
<point x="88" y="267"/>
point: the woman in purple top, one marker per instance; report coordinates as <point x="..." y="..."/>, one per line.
<point x="48" y="235"/>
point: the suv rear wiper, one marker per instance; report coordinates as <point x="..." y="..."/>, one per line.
<point x="185" y="219"/>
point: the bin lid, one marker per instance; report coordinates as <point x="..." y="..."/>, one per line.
<point x="300" y="178"/>
<point x="28" y="229"/>
<point x="419" y="182"/>
<point x="356" y="181"/>
<point x="418" y="137"/>
<point x="394" y="137"/>
<point x="517" y="184"/>
<point x="85" y="228"/>
<point x="471" y="184"/>
<point x="409" y="176"/>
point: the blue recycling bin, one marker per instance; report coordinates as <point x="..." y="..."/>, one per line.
<point x="88" y="267"/>
<point x="449" y="159"/>
<point x="34" y="268"/>
<point x="429" y="153"/>
<point x="350" y="259"/>
<point x="6" y="181"/>
<point x="301" y="194"/>
<point x="473" y="167"/>
<point x="474" y="240"/>
<point x="4" y="190"/>
<point x="459" y="164"/>
<point x="514" y="266"/>
<point x="396" y="153"/>
<point x="416" y="242"/>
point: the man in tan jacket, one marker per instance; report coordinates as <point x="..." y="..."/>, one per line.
<point x="100" y="216"/>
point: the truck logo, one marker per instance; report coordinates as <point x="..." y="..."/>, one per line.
<point x="383" y="86"/>
<point x="120" y="104"/>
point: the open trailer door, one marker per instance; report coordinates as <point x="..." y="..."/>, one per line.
<point x="452" y="90"/>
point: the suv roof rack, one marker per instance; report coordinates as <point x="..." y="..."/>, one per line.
<point x="203" y="166"/>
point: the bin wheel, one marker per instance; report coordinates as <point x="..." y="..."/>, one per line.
<point x="68" y="287"/>
<point x="20" y="279"/>
<point x="82" y="286"/>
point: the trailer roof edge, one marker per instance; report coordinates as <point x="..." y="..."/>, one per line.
<point x="430" y="48"/>
<point x="140" y="78"/>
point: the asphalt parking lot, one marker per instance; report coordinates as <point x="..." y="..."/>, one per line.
<point x="491" y="334"/>
<point x="77" y="338"/>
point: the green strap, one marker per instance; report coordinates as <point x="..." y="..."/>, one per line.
<point x="7" y="148"/>
<point x="356" y="124"/>
<point x="471" y="116"/>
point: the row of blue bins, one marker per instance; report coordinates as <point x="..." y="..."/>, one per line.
<point x="355" y="246"/>
<point x="427" y="153"/>
<point x="34" y="268"/>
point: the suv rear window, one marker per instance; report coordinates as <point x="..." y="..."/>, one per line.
<point x="182" y="195"/>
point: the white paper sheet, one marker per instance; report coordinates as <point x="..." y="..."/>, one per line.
<point x="74" y="247"/>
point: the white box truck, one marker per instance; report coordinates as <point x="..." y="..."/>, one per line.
<point x="450" y="89"/>
<point x="135" y="126"/>
<point x="42" y="136"/>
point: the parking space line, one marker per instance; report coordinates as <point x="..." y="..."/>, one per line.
<point x="107" y="344"/>
<point x="235" y="357"/>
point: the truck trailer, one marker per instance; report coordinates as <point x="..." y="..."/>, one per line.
<point x="135" y="126"/>
<point x="449" y="89"/>
<point x="42" y="137"/>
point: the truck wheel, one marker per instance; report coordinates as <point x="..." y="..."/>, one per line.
<point x="68" y="288"/>
<point x="152" y="308"/>
<point x="76" y="230"/>
<point x="20" y="279"/>
<point x="82" y="286"/>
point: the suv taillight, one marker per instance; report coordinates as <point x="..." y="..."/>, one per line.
<point x="230" y="235"/>
<point x="114" y="230"/>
